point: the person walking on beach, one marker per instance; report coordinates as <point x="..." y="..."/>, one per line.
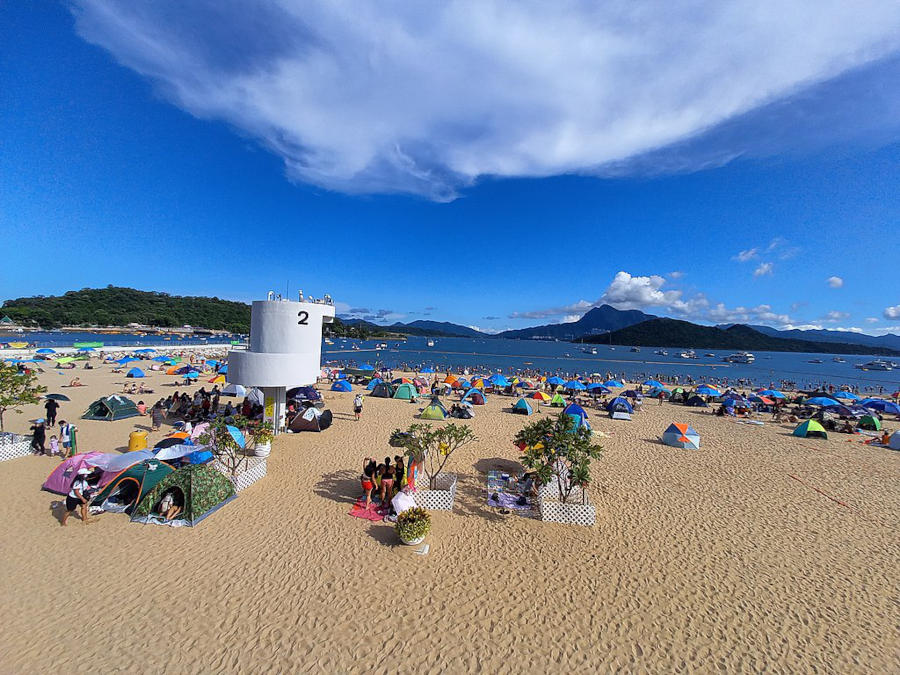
<point x="38" y="437"/>
<point x="52" y="407"/>
<point x="357" y="406"/>
<point x="156" y="417"/>
<point x="79" y="496"/>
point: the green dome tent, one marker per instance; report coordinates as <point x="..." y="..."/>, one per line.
<point x="111" y="408"/>
<point x="558" y="401"/>
<point x="406" y="391"/>
<point x="810" y="429"/>
<point x="870" y="422"/>
<point x="198" y="488"/>
<point x="434" y="411"/>
<point x="132" y="485"/>
<point x="383" y="390"/>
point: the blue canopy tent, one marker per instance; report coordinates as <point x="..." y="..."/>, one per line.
<point x="613" y="383"/>
<point x="574" y="385"/>
<point x="555" y="380"/>
<point x="192" y="375"/>
<point x="708" y="390"/>
<point x="145" y="350"/>
<point x="822" y="400"/>
<point x="374" y="382"/>
<point x="427" y="370"/>
<point x="597" y="387"/>
<point x="498" y="380"/>
<point x="656" y="384"/>
<point x="881" y="405"/>
<point x="342" y="385"/>
<point x="45" y="350"/>
<point x="772" y="393"/>
<point x="366" y="366"/>
<point x="522" y="407"/>
<point x="846" y="395"/>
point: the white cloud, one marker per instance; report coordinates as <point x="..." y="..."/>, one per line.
<point x="892" y="313"/>
<point x="763" y="269"/>
<point x="676" y="275"/>
<point x="835" y="315"/>
<point x="871" y="319"/>
<point x="410" y="97"/>
<point x="835" y="282"/>
<point x="749" y="254"/>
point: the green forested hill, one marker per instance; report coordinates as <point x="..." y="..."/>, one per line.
<point x="113" y="306"/>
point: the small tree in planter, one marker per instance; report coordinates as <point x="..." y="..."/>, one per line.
<point x="555" y="449"/>
<point x="432" y="446"/>
<point x="413" y="525"/>
<point x="223" y="445"/>
<point x="17" y="389"/>
<point x="262" y="435"/>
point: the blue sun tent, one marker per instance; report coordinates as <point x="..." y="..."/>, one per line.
<point x="578" y="415"/>
<point x="341" y="385"/>
<point x="522" y="407"/>
<point x="135" y="372"/>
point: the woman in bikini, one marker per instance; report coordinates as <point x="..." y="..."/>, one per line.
<point x="368" y="479"/>
<point x="387" y="482"/>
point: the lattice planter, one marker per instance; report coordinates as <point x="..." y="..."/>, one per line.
<point x="441" y="498"/>
<point x="13" y="446"/>
<point x="550" y="491"/>
<point x="255" y="468"/>
<point x="555" y="511"/>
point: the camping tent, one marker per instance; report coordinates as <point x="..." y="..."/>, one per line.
<point x="870" y="422"/>
<point x="135" y="372"/>
<point x="474" y="396"/>
<point x="129" y="486"/>
<point x="882" y="405"/>
<point x="61" y="478"/>
<point x="619" y="408"/>
<point x="810" y="429"/>
<point x="894" y="441"/>
<point x="557" y="401"/>
<point x="234" y="390"/>
<point x="383" y="390"/>
<point x="406" y="391"/>
<point x="434" y="411"/>
<point x="696" y="402"/>
<point x="374" y="382"/>
<point x="681" y="436"/>
<point x="111" y="408"/>
<point x="198" y="488"/>
<point x="522" y="407"/>
<point x="305" y="393"/>
<point x="342" y="385"/>
<point x="312" y="419"/>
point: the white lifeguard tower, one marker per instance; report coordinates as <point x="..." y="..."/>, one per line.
<point x="285" y="349"/>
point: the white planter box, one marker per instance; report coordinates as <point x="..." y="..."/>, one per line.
<point x="439" y="499"/>
<point x="551" y="491"/>
<point x="256" y="469"/>
<point x="570" y="514"/>
<point x="14" y="445"/>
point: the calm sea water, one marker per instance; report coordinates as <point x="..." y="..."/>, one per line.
<point x="558" y="357"/>
<point x="511" y="355"/>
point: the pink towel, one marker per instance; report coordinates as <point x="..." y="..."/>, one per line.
<point x="374" y="513"/>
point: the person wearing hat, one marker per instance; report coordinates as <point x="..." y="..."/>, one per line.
<point x="38" y="437"/>
<point x="79" y="495"/>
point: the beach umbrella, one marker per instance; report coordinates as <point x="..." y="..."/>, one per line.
<point x="57" y="397"/>
<point x="882" y="405"/>
<point x="498" y="380"/>
<point x="708" y="390"/>
<point x="127" y="359"/>
<point x="161" y="359"/>
<point x="822" y="400"/>
<point x="656" y="391"/>
<point x="613" y="383"/>
<point x="654" y="383"/>
<point x="477" y="383"/>
<point x="145" y="350"/>
<point x="772" y="393"/>
<point x="168" y="442"/>
<point x="236" y="435"/>
<point x="846" y="395"/>
<point x="540" y="396"/>
<point x="193" y="375"/>
<point x="234" y="390"/>
<point x="596" y="386"/>
<point x="756" y="398"/>
<point x="555" y="380"/>
<point x="574" y="385"/>
<point x="86" y="349"/>
<point x="45" y="350"/>
<point x="65" y="359"/>
<point x="176" y="451"/>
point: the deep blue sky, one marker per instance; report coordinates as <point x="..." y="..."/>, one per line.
<point x="103" y="181"/>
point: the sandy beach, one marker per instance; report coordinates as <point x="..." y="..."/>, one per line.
<point x="736" y="557"/>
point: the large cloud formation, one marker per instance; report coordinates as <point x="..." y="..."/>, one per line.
<point x="424" y="98"/>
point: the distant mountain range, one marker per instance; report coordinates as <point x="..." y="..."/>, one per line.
<point x="602" y="319"/>
<point x="890" y="340"/>
<point x="674" y="333"/>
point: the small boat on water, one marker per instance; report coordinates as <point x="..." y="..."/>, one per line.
<point x="589" y="350"/>
<point x="689" y="354"/>
<point x="709" y="355"/>
<point x="815" y="361"/>
<point x="635" y="349"/>
<point x="838" y="359"/>
<point x="430" y="343"/>
<point x="661" y="352"/>
<point x="877" y="364"/>
<point x="740" y="357"/>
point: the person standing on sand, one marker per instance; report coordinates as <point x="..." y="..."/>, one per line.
<point x="52" y="407"/>
<point x="79" y="495"/>
<point x="357" y="406"/>
<point x="65" y="437"/>
<point x="38" y="437"/>
<point x="156" y="417"/>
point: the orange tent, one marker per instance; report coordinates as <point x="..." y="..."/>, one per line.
<point x="450" y="379"/>
<point x="218" y="379"/>
<point x="173" y="369"/>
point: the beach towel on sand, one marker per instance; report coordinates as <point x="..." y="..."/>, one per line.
<point x="375" y="512"/>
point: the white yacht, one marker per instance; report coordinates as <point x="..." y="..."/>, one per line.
<point x="430" y="343"/>
<point x="689" y="354"/>
<point x="838" y="359"/>
<point x="661" y="352"/>
<point x="591" y="350"/>
<point x="740" y="357"/>
<point x="877" y="364"/>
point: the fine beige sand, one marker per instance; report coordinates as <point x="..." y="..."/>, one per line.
<point x="710" y="560"/>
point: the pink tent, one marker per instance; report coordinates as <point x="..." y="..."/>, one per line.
<point x="61" y="478"/>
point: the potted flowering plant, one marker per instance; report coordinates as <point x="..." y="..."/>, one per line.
<point x="262" y="433"/>
<point x="412" y="525"/>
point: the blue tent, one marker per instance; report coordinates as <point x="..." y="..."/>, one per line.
<point x="772" y="393"/>
<point x="86" y="349"/>
<point x="135" y="372"/>
<point x="613" y="383"/>
<point x="475" y="396"/>
<point x="498" y="380"/>
<point x="45" y="350"/>
<point x="341" y="385"/>
<point x="212" y="362"/>
<point x="374" y="382"/>
<point x="575" y="384"/>
<point x="654" y="383"/>
<point x="126" y="359"/>
<point x="145" y="350"/>
<point x="192" y="375"/>
<point x="465" y="384"/>
<point x="822" y="400"/>
<point x="575" y="410"/>
<point x="596" y="386"/>
<point x="366" y="366"/>
<point x="619" y="403"/>
<point x="882" y="405"/>
<point x="708" y="390"/>
<point x="847" y="395"/>
<point x="164" y="359"/>
<point x="223" y="370"/>
<point x="427" y="370"/>
<point x="522" y="407"/>
<point x="555" y="380"/>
